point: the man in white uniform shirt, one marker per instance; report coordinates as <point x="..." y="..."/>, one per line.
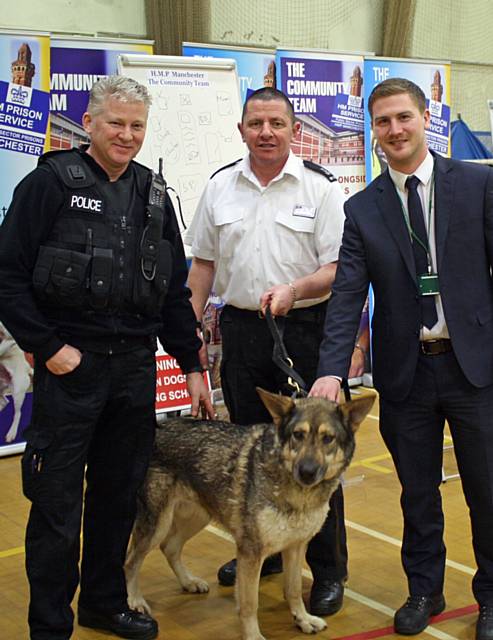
<point x="267" y="231"/>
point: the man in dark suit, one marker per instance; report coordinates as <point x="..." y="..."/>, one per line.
<point x="425" y="243"/>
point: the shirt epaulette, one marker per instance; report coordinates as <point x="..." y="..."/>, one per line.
<point x="319" y="169"/>
<point x="226" y="166"/>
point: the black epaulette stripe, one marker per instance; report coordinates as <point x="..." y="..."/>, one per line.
<point x="319" y="169"/>
<point x="231" y="164"/>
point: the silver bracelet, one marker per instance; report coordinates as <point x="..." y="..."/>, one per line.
<point x="294" y="293"/>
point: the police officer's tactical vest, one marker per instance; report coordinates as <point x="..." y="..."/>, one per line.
<point x="97" y="258"/>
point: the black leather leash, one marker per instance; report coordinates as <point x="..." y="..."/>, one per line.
<point x="281" y="358"/>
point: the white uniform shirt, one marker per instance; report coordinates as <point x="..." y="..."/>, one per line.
<point x="262" y="236"/>
<point x="425" y="174"/>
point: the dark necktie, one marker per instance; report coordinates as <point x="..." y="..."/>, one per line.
<point x="417" y="221"/>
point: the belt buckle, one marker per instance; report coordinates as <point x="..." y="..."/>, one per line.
<point x="436" y="347"/>
<point x="425" y="350"/>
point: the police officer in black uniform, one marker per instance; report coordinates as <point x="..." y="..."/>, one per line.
<point x="92" y="269"/>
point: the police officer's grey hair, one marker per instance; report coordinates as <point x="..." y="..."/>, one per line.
<point x="119" y="87"/>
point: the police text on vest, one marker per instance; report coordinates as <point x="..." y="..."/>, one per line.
<point x="85" y="203"/>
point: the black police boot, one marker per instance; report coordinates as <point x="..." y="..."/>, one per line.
<point x="414" y="615"/>
<point x="128" y="624"/>
<point x="484" y="625"/>
<point x="326" y="597"/>
<point x="226" y="575"/>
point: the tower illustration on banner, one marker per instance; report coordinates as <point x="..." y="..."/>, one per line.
<point x="23" y="69"/>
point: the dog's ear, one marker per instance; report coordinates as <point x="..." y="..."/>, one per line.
<point x="278" y="406"/>
<point x="355" y="411"/>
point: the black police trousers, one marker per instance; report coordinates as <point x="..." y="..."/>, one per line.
<point x="247" y="363"/>
<point x="97" y="421"/>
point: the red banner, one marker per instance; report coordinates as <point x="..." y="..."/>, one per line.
<point x="171" y="387"/>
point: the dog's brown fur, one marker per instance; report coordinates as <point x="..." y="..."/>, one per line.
<point x="268" y="485"/>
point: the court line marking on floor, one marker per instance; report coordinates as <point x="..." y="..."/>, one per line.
<point x="11" y="552"/>
<point x="372" y="604"/>
<point x="397" y="543"/>
<point x="386" y="631"/>
<point x="349" y="523"/>
<point x="370" y="463"/>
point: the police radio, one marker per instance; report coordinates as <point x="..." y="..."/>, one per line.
<point x="153" y="229"/>
<point x="157" y="192"/>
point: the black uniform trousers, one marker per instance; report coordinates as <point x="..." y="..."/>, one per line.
<point x="100" y="415"/>
<point x="413" y="432"/>
<point x="247" y="363"/>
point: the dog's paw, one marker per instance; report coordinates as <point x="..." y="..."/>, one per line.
<point x="195" y="585"/>
<point x="310" y="624"/>
<point x="139" y="603"/>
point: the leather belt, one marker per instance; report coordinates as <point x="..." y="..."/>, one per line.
<point x="436" y="347"/>
<point x="315" y="313"/>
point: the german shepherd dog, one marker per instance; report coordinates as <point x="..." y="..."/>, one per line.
<point x="268" y="485"/>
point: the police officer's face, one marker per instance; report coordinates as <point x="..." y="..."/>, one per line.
<point x="399" y="127"/>
<point x="117" y="134"/>
<point x="268" y="132"/>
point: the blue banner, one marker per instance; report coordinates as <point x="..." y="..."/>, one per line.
<point x="23" y="118"/>
<point x="322" y="87"/>
<point x="434" y="80"/>
<point x="325" y="90"/>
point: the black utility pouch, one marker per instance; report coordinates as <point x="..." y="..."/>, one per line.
<point x="164" y="267"/>
<point x="61" y="275"/>
<point x="101" y="275"/>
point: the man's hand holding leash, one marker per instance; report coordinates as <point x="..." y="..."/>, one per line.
<point x="281" y="299"/>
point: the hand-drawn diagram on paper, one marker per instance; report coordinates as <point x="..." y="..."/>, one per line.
<point x="192" y="126"/>
<point x="224" y="106"/>
<point x="189" y="137"/>
<point x="190" y="187"/>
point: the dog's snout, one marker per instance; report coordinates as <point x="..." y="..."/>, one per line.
<point x="308" y="471"/>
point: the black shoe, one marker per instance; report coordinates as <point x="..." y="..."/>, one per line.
<point x="415" y="614"/>
<point x="326" y="597"/>
<point x="226" y="575"/>
<point x="129" y="624"/>
<point x="484" y="625"/>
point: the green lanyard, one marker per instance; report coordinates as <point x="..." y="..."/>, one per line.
<point x="405" y="213"/>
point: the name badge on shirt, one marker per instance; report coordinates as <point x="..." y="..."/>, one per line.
<point x="304" y="212"/>
<point x="428" y="284"/>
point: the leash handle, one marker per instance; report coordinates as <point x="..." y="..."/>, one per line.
<point x="281" y="358"/>
<point x="345" y="389"/>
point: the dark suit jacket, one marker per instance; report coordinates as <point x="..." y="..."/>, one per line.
<point x="376" y="249"/>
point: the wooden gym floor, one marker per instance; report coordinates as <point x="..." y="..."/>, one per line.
<point x="376" y="585"/>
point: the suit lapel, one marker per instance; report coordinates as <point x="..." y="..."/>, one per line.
<point x="391" y="209"/>
<point x="444" y="195"/>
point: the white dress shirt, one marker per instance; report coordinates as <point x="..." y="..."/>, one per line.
<point x="262" y="236"/>
<point x="425" y="174"/>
